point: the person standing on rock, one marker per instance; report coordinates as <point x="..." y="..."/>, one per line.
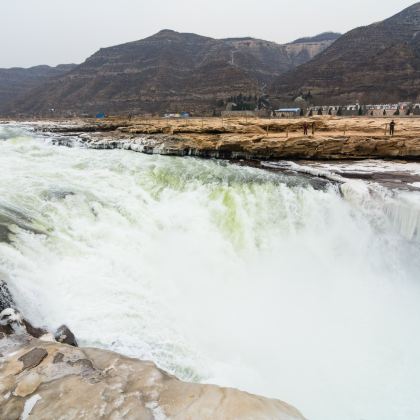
<point x="392" y="128"/>
<point x="305" y="128"/>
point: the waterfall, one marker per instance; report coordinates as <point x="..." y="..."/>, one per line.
<point x="219" y="273"/>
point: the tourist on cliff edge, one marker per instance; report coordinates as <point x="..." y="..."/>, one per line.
<point x="392" y="128"/>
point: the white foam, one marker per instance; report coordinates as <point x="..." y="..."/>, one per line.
<point x="157" y="411"/>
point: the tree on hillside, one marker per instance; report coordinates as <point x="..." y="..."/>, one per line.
<point x="306" y="96"/>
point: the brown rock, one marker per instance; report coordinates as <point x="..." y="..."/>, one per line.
<point x="33" y="358"/>
<point x="64" y="335"/>
<point x="34" y="331"/>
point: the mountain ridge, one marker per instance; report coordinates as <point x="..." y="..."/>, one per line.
<point x="15" y="81"/>
<point x="165" y="71"/>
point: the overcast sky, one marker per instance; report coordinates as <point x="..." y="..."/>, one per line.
<point x="50" y="32"/>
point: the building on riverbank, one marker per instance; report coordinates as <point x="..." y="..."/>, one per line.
<point x="372" y="110"/>
<point x="287" y="112"/>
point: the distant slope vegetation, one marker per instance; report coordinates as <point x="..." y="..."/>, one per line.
<point x="15" y="82"/>
<point x="169" y="71"/>
<point x="376" y="63"/>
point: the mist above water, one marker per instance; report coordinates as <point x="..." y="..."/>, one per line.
<point x="219" y="273"/>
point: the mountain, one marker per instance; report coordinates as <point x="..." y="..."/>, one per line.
<point x="14" y="82"/>
<point x="168" y="71"/>
<point x="375" y="63"/>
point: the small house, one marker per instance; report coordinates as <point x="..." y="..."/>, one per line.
<point x="288" y="112"/>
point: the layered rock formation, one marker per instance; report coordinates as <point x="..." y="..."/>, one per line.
<point x="262" y="148"/>
<point x="303" y="50"/>
<point x="379" y="63"/>
<point x="169" y="71"/>
<point x="334" y="138"/>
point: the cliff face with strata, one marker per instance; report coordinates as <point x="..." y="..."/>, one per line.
<point x="333" y="138"/>
<point x="305" y="49"/>
<point x="379" y="63"/>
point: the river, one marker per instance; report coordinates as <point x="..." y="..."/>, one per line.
<point x="221" y="274"/>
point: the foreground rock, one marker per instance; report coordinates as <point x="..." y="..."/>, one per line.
<point x="46" y="376"/>
<point x="46" y="380"/>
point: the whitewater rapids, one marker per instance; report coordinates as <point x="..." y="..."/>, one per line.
<point x="220" y="274"/>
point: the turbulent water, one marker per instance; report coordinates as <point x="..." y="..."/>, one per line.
<point x="219" y="273"/>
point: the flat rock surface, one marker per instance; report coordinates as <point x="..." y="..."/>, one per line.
<point x="332" y="138"/>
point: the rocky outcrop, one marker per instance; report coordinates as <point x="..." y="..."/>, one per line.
<point x="305" y="49"/>
<point x="65" y="336"/>
<point x="258" y="139"/>
<point x="46" y="376"/>
<point x="258" y="147"/>
<point x="6" y="299"/>
<point x="45" y="380"/>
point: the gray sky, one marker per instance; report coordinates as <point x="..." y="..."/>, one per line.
<point x="50" y="32"/>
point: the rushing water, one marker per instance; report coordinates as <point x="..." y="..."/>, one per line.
<point x="219" y="273"/>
